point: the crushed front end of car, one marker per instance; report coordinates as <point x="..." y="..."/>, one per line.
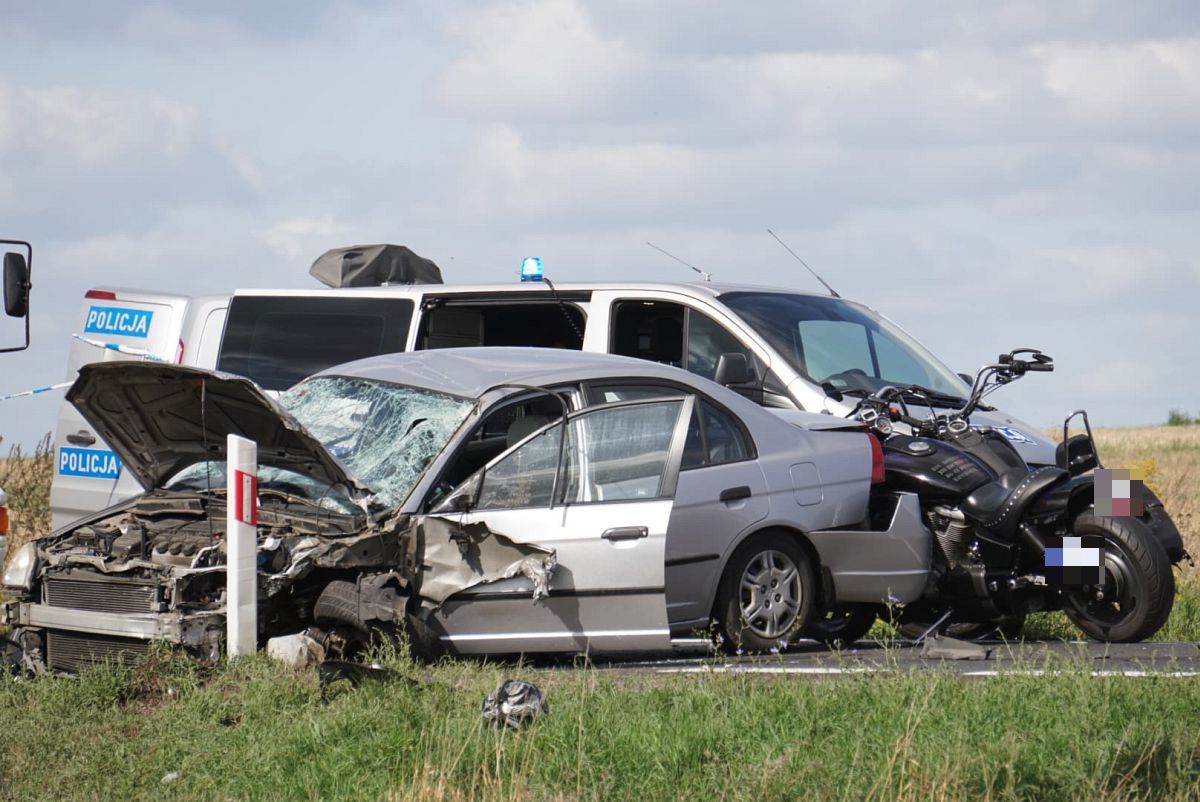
<point x="335" y="556"/>
<point x="153" y="569"/>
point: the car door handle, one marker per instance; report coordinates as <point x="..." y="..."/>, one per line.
<point x="625" y="533"/>
<point x="734" y="494"/>
<point x="81" y="438"/>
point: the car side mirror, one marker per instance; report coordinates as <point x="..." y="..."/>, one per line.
<point x="467" y="496"/>
<point x="967" y="377"/>
<point x="733" y="369"/>
<point x="16" y="285"/>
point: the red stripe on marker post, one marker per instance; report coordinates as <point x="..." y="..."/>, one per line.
<point x="245" y="501"/>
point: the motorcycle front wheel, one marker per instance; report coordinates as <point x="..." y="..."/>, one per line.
<point x="1138" y="590"/>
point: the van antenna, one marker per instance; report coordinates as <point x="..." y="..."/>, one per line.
<point x="832" y="291"/>
<point x="705" y="276"/>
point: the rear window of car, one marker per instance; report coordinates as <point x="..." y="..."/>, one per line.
<point x="277" y="341"/>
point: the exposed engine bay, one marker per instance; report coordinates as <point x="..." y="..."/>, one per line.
<point x="154" y="569"/>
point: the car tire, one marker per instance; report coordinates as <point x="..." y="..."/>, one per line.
<point x="843" y="625"/>
<point x="765" y="596"/>
<point x="337" y="609"/>
<point x="1141" y="585"/>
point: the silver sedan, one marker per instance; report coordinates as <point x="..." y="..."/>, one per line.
<point x="441" y="491"/>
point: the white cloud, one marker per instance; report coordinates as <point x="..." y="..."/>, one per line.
<point x="542" y="58"/>
<point x="1149" y="84"/>
<point x="87" y="128"/>
<point x="305" y="236"/>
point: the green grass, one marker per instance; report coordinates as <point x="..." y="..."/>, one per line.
<point x="259" y="731"/>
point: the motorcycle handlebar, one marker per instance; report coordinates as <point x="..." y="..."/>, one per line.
<point x="1042" y="366"/>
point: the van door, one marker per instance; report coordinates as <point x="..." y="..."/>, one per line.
<point x="674" y="329"/>
<point x="87" y="474"/>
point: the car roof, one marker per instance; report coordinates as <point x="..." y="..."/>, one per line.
<point x="470" y="372"/>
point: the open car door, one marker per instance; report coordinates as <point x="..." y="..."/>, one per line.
<point x="600" y="499"/>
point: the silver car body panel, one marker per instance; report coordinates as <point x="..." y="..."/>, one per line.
<point x="885" y="567"/>
<point x="191" y="629"/>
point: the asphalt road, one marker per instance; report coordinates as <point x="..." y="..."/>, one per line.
<point x="984" y="659"/>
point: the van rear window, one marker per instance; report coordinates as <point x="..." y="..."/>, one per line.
<point x="277" y="341"/>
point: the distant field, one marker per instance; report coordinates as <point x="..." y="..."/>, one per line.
<point x="1171" y="457"/>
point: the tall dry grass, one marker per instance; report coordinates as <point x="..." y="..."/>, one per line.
<point x="1170" y="458"/>
<point x="26" y="479"/>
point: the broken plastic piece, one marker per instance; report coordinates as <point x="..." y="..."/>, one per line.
<point x="945" y="648"/>
<point x="297" y="651"/>
<point x="513" y="704"/>
<point x="331" y="671"/>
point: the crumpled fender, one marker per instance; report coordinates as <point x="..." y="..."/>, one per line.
<point x="455" y="557"/>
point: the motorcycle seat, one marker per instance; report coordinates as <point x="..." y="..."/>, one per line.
<point x="999" y="505"/>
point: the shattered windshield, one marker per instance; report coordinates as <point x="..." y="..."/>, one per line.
<point x="386" y="434"/>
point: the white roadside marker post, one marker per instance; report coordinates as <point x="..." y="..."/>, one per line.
<point x="241" y="546"/>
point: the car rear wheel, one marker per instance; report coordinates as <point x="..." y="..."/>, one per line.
<point x="765" y="596"/>
<point x="843" y="625"/>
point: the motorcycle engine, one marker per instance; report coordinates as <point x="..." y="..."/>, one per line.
<point x="953" y="533"/>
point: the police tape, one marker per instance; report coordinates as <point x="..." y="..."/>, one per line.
<point x="38" y="391"/>
<point x="122" y="349"/>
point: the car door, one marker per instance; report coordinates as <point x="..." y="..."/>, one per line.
<point x="601" y="501"/>
<point x="721" y="493"/>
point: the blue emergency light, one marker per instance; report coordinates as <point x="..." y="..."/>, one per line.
<point x="531" y="269"/>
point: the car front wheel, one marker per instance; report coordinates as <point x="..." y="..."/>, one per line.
<point x="765" y="596"/>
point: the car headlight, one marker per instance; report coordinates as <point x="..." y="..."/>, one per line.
<point x="19" y="573"/>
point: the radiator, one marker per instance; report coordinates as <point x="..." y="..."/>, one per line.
<point x="101" y="595"/>
<point x="71" y="651"/>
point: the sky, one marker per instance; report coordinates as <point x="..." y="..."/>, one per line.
<point x="988" y="175"/>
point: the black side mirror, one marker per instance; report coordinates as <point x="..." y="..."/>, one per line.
<point x="16" y="285"/>
<point x="17" y="268"/>
<point x="733" y="369"/>
<point x="967" y="377"/>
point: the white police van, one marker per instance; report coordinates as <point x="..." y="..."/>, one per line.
<point x="781" y="347"/>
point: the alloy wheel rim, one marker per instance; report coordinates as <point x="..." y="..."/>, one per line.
<point x="770" y="594"/>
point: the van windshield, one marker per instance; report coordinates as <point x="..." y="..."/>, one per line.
<point x="836" y="342"/>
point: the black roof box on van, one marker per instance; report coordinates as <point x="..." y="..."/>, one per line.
<point x="373" y="266"/>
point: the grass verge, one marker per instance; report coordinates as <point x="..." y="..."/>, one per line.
<point x="254" y="730"/>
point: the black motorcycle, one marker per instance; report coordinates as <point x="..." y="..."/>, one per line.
<point x="999" y="525"/>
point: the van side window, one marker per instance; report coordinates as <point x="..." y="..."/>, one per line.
<point x="659" y="331"/>
<point x="277" y="341"/>
<point x="539" y="324"/>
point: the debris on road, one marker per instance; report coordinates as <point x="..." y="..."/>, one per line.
<point x="298" y="651"/>
<point x="513" y="704"/>
<point x="941" y="647"/>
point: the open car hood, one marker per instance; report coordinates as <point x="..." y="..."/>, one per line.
<point x="151" y="415"/>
